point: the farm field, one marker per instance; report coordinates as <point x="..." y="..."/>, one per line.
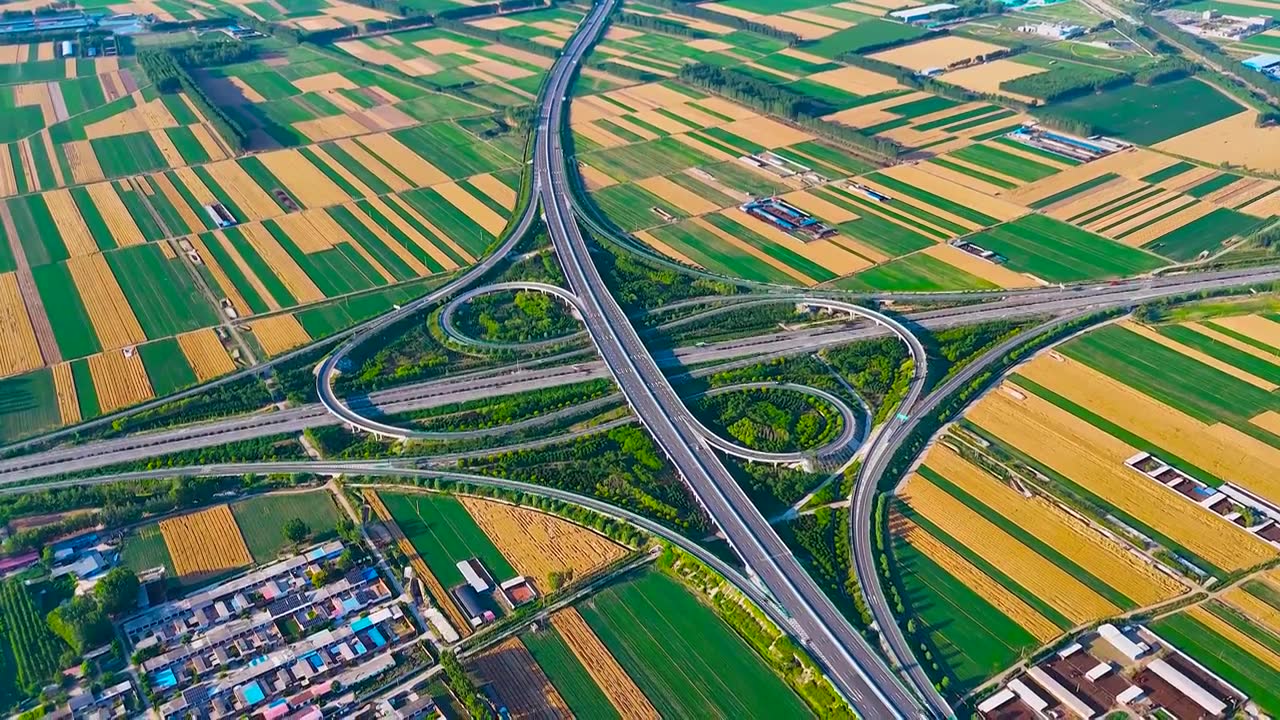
<point x="649" y="625"/>
<point x="1147" y="115"/>
<point x="1228" y="652"/>
<point x="129" y="274"/>
<point x="1190" y="394"/>
<point x="205" y="544"/>
<point x="444" y="534"/>
<point x="540" y="545"/>
<point x="262" y="518"/>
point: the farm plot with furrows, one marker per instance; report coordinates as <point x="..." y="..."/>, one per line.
<point x="1090" y="462"/>
<point x="538" y="544"/>
<point x="1103" y="564"/>
<point x="279" y="333"/>
<point x="444" y="534"/>
<point x="119" y="380"/>
<point x="28" y="404"/>
<point x="205" y="543"/>
<point x="1208" y="451"/>
<point x="1038" y="581"/>
<point x="1189" y="384"/>
<point x="160" y="290"/>
<point x="973" y="578"/>
<point x="916" y="272"/>
<point x="114" y="322"/>
<point x="621" y="690"/>
<point x="1234" y="664"/>
<point x="584" y="696"/>
<point x="657" y="157"/>
<point x="166" y="367"/>
<point x="205" y="353"/>
<point x="974" y="635"/>
<point x="455" y="151"/>
<point x="18" y="349"/>
<point x="73" y="331"/>
<point x="519" y="683"/>
<point x="682" y="655"/>
<point x="1057" y="252"/>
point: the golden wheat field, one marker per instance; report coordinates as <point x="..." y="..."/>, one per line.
<point x="18" y="348"/>
<point x="1094" y="460"/>
<point x="975" y="579"/>
<point x="109" y="311"/>
<point x="120" y="380"/>
<point x="613" y="680"/>
<point x="1102" y="557"/>
<point x="1070" y="597"/>
<point x="205" y="354"/>
<point x="64" y="386"/>
<point x="279" y="333"/>
<point x="205" y="543"/>
<point x="538" y="544"/>
<point x="1218" y="448"/>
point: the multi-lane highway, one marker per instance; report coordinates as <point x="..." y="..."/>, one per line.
<point x="861" y="676"/>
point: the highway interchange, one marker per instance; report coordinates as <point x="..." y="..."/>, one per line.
<point x="777" y="580"/>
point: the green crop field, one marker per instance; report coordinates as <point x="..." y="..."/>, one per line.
<point x="28" y="404"/>
<point x="682" y="655"/>
<point x="36" y="230"/>
<point x="144" y="548"/>
<point x="708" y="250"/>
<point x="1186" y="384"/>
<point x="1005" y="163"/>
<point x="72" y="329"/>
<point x="166" y="366"/>
<point x="1257" y="679"/>
<point x="1057" y="252"/>
<point x="871" y="33"/>
<point x="160" y="291"/>
<point x="455" y="151"/>
<point x="1204" y="234"/>
<point x="973" y="639"/>
<point x="1149" y="114"/>
<point x="914" y="273"/>
<point x="328" y="318"/>
<point x="131" y="154"/>
<point x="262" y="519"/>
<point x="567" y="674"/>
<point x="444" y="534"/>
<point x="453" y="222"/>
<point x="630" y="207"/>
<point x="656" y="157"/>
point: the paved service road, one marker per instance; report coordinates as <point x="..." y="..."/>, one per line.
<point x="870" y="686"/>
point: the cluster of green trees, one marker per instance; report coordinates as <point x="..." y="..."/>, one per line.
<point x="621" y="466"/>
<point x="880" y="370"/>
<point x="772" y="488"/>
<point x="515" y="317"/>
<point x="950" y="349"/>
<point x="168" y="69"/>
<point x="1065" y="82"/>
<point x="243" y="395"/>
<point x="821" y="542"/>
<point x="655" y="23"/>
<point x="30" y="655"/>
<point x="770" y="419"/>
<point x="464" y="688"/>
<point x="968" y="9"/>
